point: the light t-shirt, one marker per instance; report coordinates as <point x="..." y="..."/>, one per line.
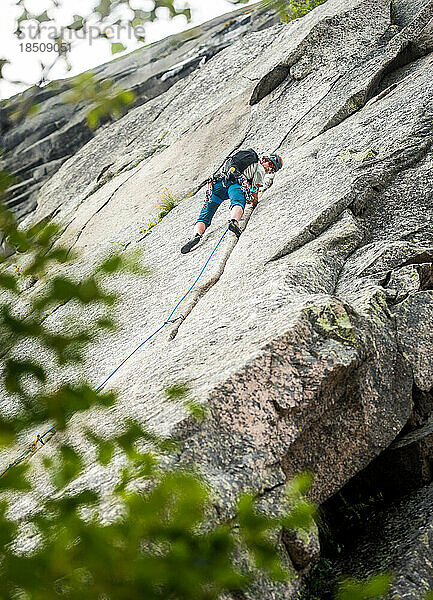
<point x="256" y="174"/>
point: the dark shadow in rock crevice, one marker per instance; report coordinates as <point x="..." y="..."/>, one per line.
<point x="269" y="83"/>
<point x="403" y="468"/>
<point x="420" y="258"/>
<point x="382" y="84"/>
<point x="422" y="409"/>
<point x="388" y="78"/>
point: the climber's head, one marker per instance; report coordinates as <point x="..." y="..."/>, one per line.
<point x="272" y="163"/>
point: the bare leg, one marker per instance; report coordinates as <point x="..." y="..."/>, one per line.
<point x="199" y="228"/>
<point x="237" y="212"/>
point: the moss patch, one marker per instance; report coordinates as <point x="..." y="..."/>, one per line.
<point x="333" y="321"/>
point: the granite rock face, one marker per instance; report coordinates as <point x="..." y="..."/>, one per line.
<point x="36" y="148"/>
<point x="306" y="337"/>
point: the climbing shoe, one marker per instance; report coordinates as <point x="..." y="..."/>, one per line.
<point x="234" y="226"/>
<point x="190" y="244"/>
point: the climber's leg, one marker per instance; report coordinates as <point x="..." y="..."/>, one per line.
<point x="237" y="205"/>
<point x="206" y="215"/>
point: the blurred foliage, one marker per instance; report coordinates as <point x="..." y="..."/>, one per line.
<point x="161" y="544"/>
<point x="104" y="97"/>
<point x="107" y="12"/>
<point x="375" y="587"/>
<point x="23" y="318"/>
<point x="290" y="9"/>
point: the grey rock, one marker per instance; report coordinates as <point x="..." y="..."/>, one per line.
<point x="305" y="337"/>
<point x="302" y="546"/>
<point x="403" y="11"/>
<point x="40" y="144"/>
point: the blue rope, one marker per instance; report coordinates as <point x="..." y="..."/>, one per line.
<point x="128" y="357"/>
<point x="199" y="275"/>
<point x="166" y="322"/>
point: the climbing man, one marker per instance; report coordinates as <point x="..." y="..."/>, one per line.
<point x="239" y="180"/>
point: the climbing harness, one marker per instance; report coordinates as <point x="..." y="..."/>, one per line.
<point x="47" y="435"/>
<point x="232" y="172"/>
<point x="246" y="188"/>
<point x="229" y="179"/>
<point x="209" y="190"/>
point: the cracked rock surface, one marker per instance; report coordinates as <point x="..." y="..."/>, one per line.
<point x="36" y="148"/>
<point x="306" y="337"/>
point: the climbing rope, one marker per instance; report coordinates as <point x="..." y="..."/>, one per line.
<point x="47" y="435"/>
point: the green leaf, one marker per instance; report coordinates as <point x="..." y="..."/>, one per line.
<point x="177" y="392"/>
<point x="128" y="438"/>
<point x="140" y="17"/>
<point x="301" y="511"/>
<point x="33" y="109"/>
<point x="67" y="506"/>
<point x="6" y="181"/>
<point x="105" y="452"/>
<point x="43" y="17"/>
<point x="15" y="370"/>
<point x="132" y="263"/>
<point x="24" y="16"/>
<point x="8" y="529"/>
<point x="63" y="289"/>
<point x="88" y="291"/>
<point x="18" y="326"/>
<point x="300" y="516"/>
<point x="198" y="411"/>
<point x="93" y="118"/>
<point x="373" y="588"/>
<point x="77" y="24"/>
<point x="3" y="63"/>
<point x="162" y="444"/>
<point x="8" y="282"/>
<point x="187" y="13"/>
<point x="19" y="240"/>
<point x="69" y="466"/>
<point x="106" y="323"/>
<point x="103" y="8"/>
<point x="7" y="433"/>
<point x="45" y="235"/>
<point x="105" y="448"/>
<point x="112" y="264"/>
<point x="69" y="399"/>
<point x="117" y="47"/>
<point x="299" y="486"/>
<point x="255" y="529"/>
<point x="48" y="463"/>
<point x="14" y="479"/>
